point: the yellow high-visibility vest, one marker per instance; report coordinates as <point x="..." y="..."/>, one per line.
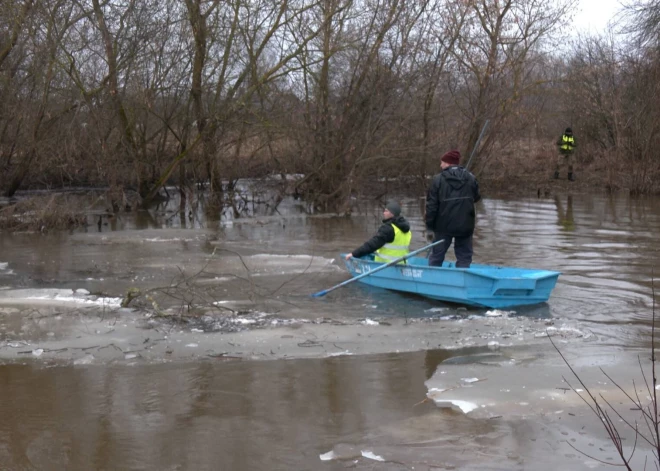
<point x="568" y="142"/>
<point x="395" y="249"/>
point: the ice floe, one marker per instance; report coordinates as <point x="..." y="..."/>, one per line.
<point x="456" y="404"/>
<point x="372" y="456"/>
<point x="498" y="313"/>
<point x="59" y="296"/>
<point x="340" y="354"/>
<point x="328" y="456"/>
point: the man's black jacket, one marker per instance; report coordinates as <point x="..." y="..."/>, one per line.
<point x="450" y="202"/>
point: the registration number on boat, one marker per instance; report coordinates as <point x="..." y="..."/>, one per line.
<point x="411" y="273"/>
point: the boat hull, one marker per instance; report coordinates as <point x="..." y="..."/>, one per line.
<point x="480" y="285"/>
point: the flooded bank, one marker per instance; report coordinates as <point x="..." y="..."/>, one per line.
<point x="362" y="412"/>
<point x="171" y="381"/>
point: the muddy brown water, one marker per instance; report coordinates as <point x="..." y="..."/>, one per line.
<point x="287" y="414"/>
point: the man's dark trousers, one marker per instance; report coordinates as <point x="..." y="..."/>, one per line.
<point x="462" y="249"/>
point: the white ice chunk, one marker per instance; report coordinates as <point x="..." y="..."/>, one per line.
<point x="20" y="344"/>
<point x="372" y="456"/>
<point x="99" y="301"/>
<point x="498" y="313"/>
<point x="192" y="345"/>
<point x="436" y="309"/>
<point x="469" y="380"/>
<point x="328" y="456"/>
<point x="339" y="354"/>
<point x="243" y="321"/>
<point x="86" y="360"/>
<point x="464" y="406"/>
<point x="368" y="321"/>
<point x="37" y="352"/>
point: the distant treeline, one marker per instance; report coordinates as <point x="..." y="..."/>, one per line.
<point x="128" y="93"/>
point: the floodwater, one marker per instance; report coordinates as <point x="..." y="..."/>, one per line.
<point x="367" y="411"/>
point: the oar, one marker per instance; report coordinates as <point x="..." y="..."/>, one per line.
<point x="382" y="267"/>
<point x="483" y="130"/>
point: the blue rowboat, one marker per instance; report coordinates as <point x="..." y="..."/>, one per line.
<point x="480" y="285"/>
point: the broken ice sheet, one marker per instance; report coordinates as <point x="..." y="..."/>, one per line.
<point x="368" y="321"/>
<point x="511" y="389"/>
<point x="327" y="456"/>
<point x="456" y="404"/>
<point x="86" y="360"/>
<point x="339" y="354"/>
<point x="498" y="313"/>
<point x="369" y="454"/>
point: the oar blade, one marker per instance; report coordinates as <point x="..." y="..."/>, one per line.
<point x="319" y="294"/>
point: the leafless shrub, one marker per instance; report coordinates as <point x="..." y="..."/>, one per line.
<point x="647" y="429"/>
<point x="44" y="213"/>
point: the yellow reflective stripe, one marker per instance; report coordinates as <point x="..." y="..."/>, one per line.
<point x="389" y="257"/>
<point x="395" y="247"/>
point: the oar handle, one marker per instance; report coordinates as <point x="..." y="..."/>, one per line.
<point x="382" y="267"/>
<point x="476" y="145"/>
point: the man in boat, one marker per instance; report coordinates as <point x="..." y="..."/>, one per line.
<point x="392" y="239"/>
<point x="450" y="212"/>
<point x="566" y="144"/>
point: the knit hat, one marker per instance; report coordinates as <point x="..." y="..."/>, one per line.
<point x="568" y="131"/>
<point x="452" y="157"/>
<point x="394" y="208"/>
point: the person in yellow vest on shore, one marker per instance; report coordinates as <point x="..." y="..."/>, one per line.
<point x="566" y="144"/>
<point x="392" y="239"/>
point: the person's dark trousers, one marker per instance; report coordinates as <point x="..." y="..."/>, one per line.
<point x="462" y="249"/>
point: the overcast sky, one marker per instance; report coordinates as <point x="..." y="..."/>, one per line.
<point x="593" y="15"/>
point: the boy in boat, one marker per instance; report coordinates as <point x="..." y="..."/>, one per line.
<point x="392" y="239"/>
<point x="450" y="212"/>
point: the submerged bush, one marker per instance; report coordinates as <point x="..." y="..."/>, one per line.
<point x="43" y="213"/>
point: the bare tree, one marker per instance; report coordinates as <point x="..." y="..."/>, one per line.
<point x="53" y="20"/>
<point x="492" y="58"/>
<point x="255" y="46"/>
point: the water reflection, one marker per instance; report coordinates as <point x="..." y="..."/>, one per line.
<point x="565" y="216"/>
<point x="261" y="415"/>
